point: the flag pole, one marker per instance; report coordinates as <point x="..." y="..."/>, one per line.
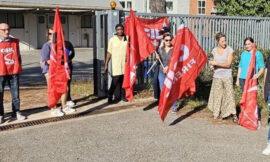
<point x="151" y="67"/>
<point x="160" y="60"/>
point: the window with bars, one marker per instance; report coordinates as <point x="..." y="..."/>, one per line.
<point x="123" y="4"/>
<point x="86" y="21"/>
<point x="14" y="20"/>
<point x="201" y="7"/>
<point x="129" y="4"/>
<point x="169" y="6"/>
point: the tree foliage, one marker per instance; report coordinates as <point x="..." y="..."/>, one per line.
<point x="244" y="7"/>
<point x="158" y="6"/>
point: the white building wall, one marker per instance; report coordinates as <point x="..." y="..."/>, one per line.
<point x="28" y="34"/>
<point x="75" y="30"/>
<point x="179" y="6"/>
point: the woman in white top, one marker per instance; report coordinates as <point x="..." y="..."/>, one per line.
<point x="221" y="100"/>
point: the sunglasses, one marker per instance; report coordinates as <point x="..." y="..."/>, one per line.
<point x="50" y="33"/>
<point x="168" y="40"/>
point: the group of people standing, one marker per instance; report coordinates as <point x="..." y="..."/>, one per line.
<point x="10" y="68"/>
<point x="221" y="100"/>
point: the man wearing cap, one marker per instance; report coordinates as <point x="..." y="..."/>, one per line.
<point x="10" y="67"/>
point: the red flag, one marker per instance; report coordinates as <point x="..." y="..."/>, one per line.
<point x="249" y="114"/>
<point x="58" y="70"/>
<point x="187" y="61"/>
<point x="139" y="48"/>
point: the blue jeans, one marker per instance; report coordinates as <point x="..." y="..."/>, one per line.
<point x="13" y="83"/>
<point x="268" y="118"/>
<point x="156" y="83"/>
<point x="161" y="78"/>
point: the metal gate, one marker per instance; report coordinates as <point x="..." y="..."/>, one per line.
<point x="104" y="23"/>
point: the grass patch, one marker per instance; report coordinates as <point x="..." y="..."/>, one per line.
<point x="195" y="103"/>
<point x="82" y="88"/>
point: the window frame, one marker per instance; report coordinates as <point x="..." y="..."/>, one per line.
<point x="16" y="18"/>
<point x="167" y="2"/>
<point x="201" y="7"/>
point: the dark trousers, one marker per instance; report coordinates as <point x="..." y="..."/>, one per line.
<point x="156" y="83"/>
<point x="116" y="88"/>
<point x="242" y="83"/>
<point x="69" y="81"/>
<point x="13" y="83"/>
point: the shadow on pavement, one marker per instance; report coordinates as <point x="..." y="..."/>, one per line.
<point x="151" y="106"/>
<point x="188" y="114"/>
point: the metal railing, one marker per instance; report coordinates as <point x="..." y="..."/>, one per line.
<point x="236" y="29"/>
<point x="204" y="29"/>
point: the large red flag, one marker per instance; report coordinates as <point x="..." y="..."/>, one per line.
<point x="249" y="114"/>
<point x="151" y="27"/>
<point x="58" y="70"/>
<point x="187" y="61"/>
<point x="139" y="48"/>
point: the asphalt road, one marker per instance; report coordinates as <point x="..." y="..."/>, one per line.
<point x="133" y="135"/>
<point x="31" y="73"/>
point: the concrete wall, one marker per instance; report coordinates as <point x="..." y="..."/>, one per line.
<point x="28" y="36"/>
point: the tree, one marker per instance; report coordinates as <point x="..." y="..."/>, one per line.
<point x="244" y="7"/>
<point x="157" y="6"/>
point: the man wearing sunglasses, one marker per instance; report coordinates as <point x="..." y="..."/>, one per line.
<point x="10" y="68"/>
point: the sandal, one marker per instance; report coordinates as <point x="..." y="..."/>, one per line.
<point x="235" y="119"/>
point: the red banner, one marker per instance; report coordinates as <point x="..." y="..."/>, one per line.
<point x="139" y="48"/>
<point x="187" y="61"/>
<point x="249" y="114"/>
<point x="151" y="27"/>
<point x="58" y="70"/>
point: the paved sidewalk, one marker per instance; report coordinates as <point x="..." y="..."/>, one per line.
<point x="85" y="107"/>
<point x="133" y="135"/>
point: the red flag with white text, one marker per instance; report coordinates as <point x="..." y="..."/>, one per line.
<point x="187" y="61"/>
<point x="139" y="48"/>
<point x="152" y="27"/>
<point x="249" y="113"/>
<point x="58" y="69"/>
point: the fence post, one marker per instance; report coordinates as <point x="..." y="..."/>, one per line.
<point x="200" y="30"/>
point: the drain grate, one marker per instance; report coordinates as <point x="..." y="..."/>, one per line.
<point x="97" y="110"/>
<point x="37" y="122"/>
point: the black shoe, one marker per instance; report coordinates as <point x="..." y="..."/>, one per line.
<point x="125" y="100"/>
<point x="110" y="101"/>
<point x="1" y="119"/>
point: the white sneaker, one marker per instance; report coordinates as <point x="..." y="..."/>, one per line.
<point x="70" y="103"/>
<point x="266" y="151"/>
<point x="19" y="116"/>
<point x="259" y="125"/>
<point x="68" y="109"/>
<point x="57" y="112"/>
